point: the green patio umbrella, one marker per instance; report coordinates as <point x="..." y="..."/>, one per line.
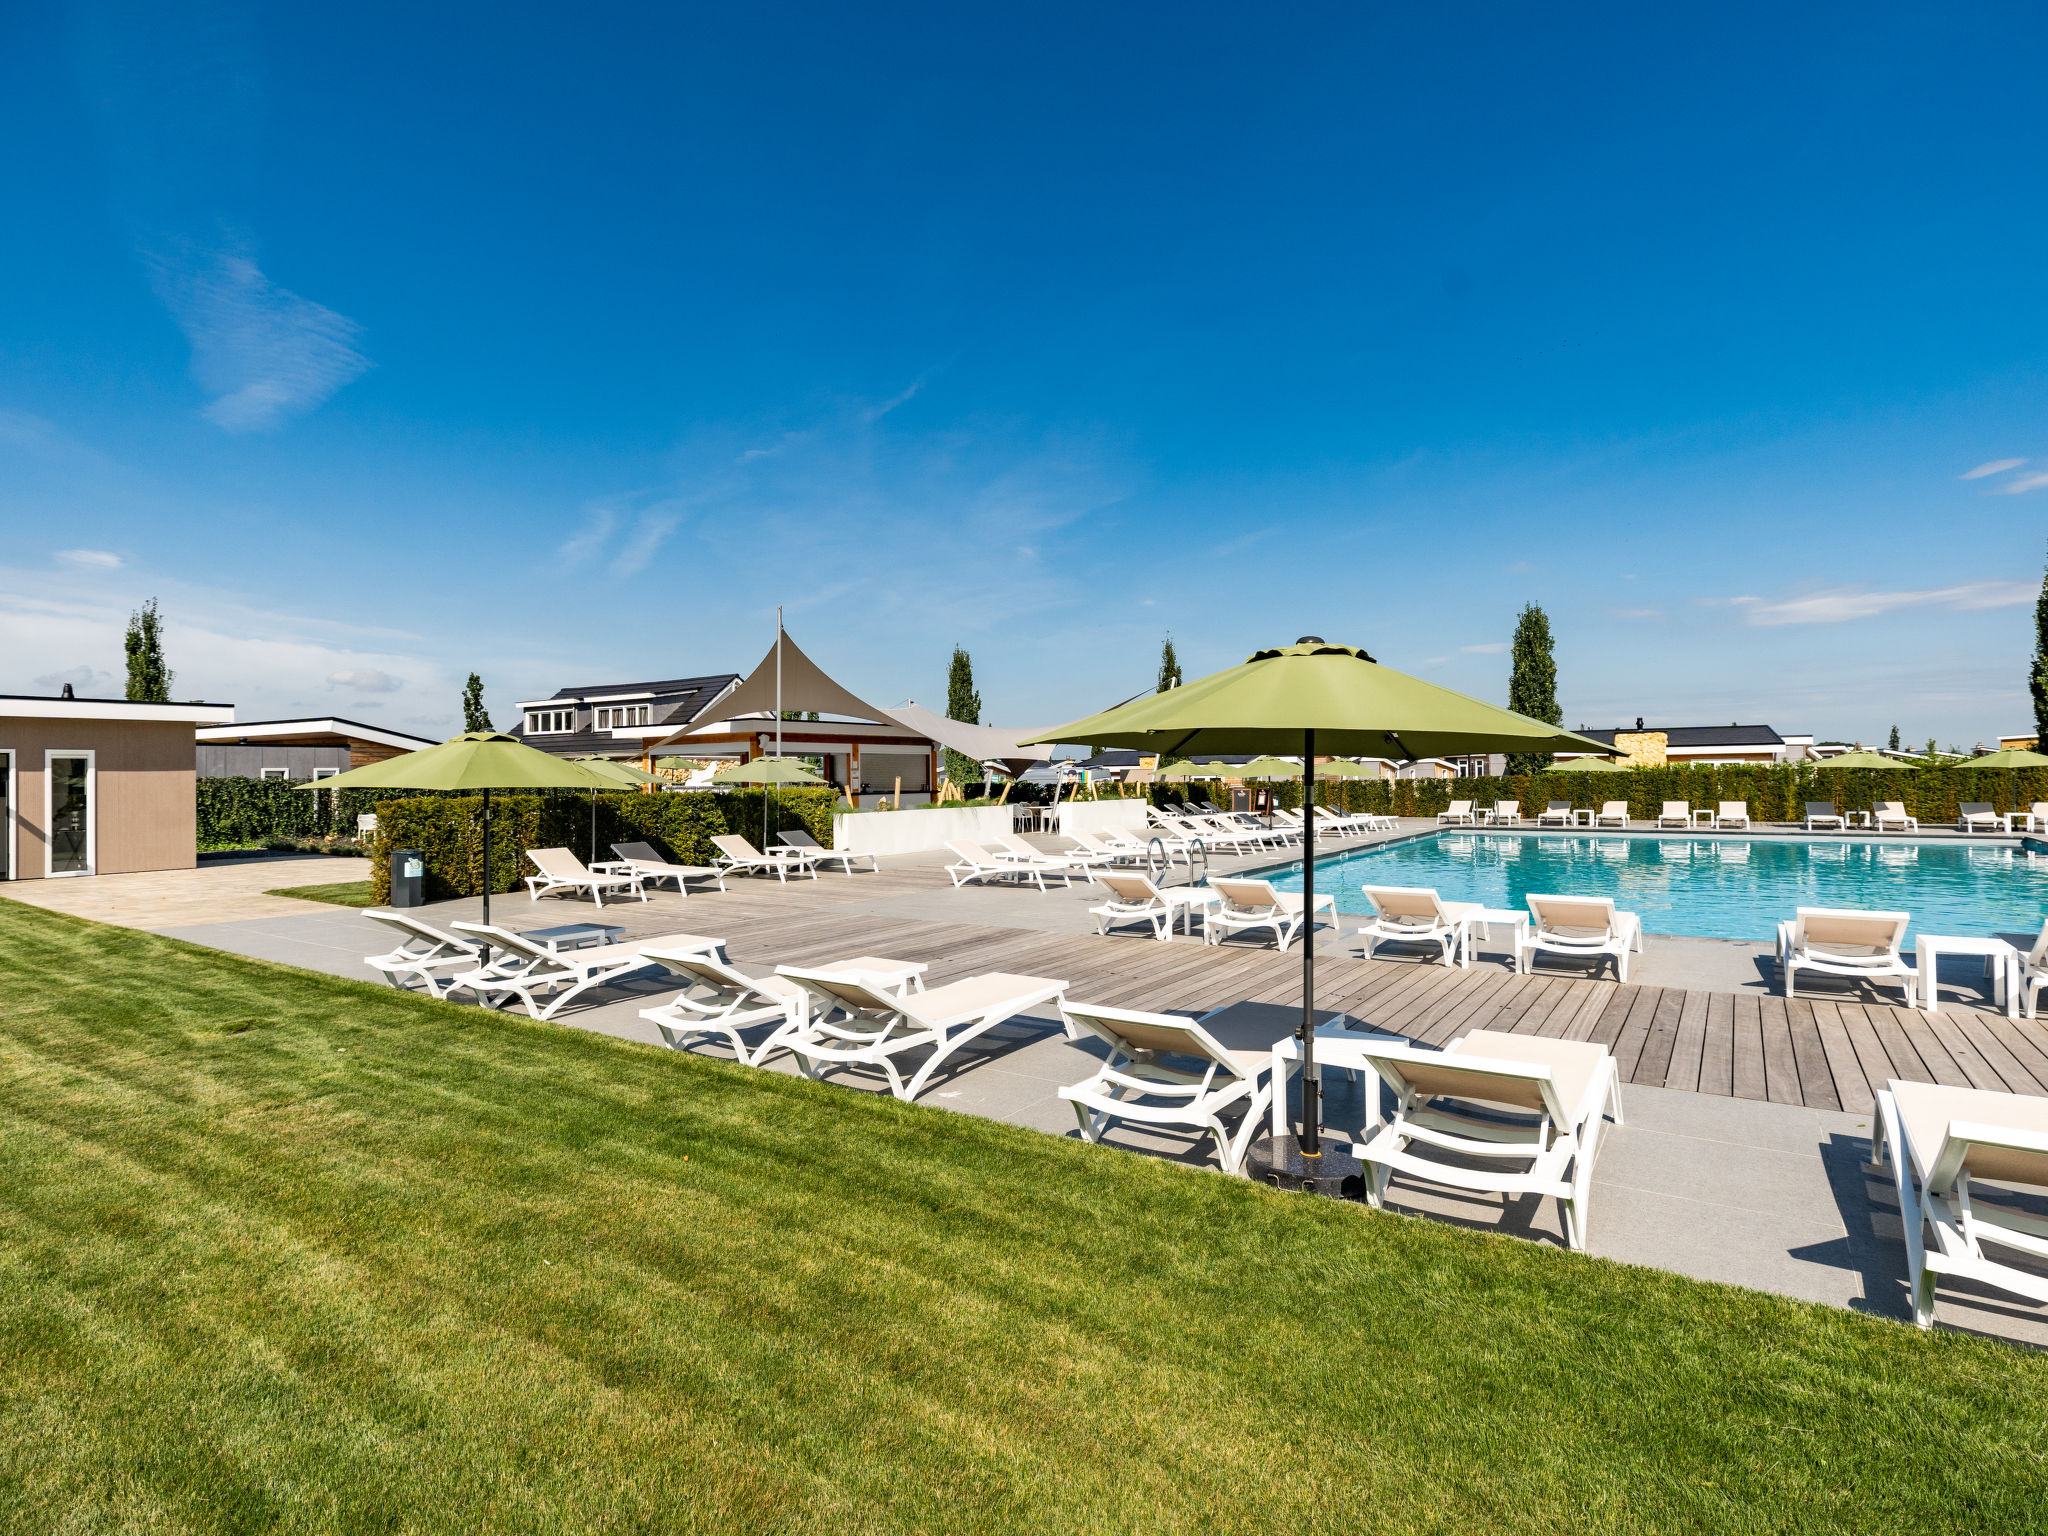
<point x="476" y="760"/>
<point x="2009" y="758"/>
<point x="764" y="771"/>
<point x="1305" y="697"/>
<point x="622" y="775"/>
<point x="1587" y="765"/>
<point x="1344" y="768"/>
<point x="1862" y="758"/>
<point x="1268" y="768"/>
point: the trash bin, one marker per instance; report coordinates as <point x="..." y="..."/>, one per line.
<point x="408" y="877"/>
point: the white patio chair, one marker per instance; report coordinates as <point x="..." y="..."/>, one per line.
<point x="1412" y="914"/>
<point x="1614" y="813"/>
<point x="1555" y="1095"/>
<point x="1732" y="813"/>
<point x="1978" y="816"/>
<point x="1242" y="904"/>
<point x="424" y="951"/>
<point x="818" y="853"/>
<point x="1026" y="853"/>
<point x="523" y="969"/>
<point x="2033" y="819"/>
<point x="1505" y="813"/>
<point x="1948" y="1151"/>
<point x="561" y="870"/>
<point x="645" y="861"/>
<point x="1839" y="941"/>
<point x="1558" y="813"/>
<point x="2033" y="974"/>
<point x="1584" y="927"/>
<point x="721" y="1002"/>
<point x="1822" y="813"/>
<point x="1676" y="813"/>
<point x="860" y="1024"/>
<point x="1458" y="813"/>
<point x="1136" y="1085"/>
<point x="974" y="862"/>
<point x="738" y="856"/>
<point x="1124" y="850"/>
<point x="1132" y="899"/>
<point x="1892" y="813"/>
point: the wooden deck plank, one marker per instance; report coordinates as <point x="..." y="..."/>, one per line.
<point x="1654" y="1063"/>
<point x="1816" y="1073"/>
<point x="1852" y="1085"/>
<point x="1717" y="1052"/>
<point x="1628" y="1050"/>
<point x="1475" y="1002"/>
<point x="1781" y="1062"/>
<point x="2013" y="1073"/>
<point x="1977" y="1071"/>
<point x="1876" y="1061"/>
<point x="1688" y="1041"/>
<point x="1905" y="1029"/>
<point x="1587" y="1019"/>
<point x="1614" y="1017"/>
<point x="1748" y="1075"/>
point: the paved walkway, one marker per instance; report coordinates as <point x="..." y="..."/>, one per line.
<point x="1713" y="1174"/>
<point x="222" y="892"/>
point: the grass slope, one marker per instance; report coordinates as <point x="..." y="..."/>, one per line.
<point x="343" y="893"/>
<point x="285" y="1253"/>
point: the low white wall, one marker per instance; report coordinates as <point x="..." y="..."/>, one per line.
<point x="1103" y="816"/>
<point x="908" y="831"/>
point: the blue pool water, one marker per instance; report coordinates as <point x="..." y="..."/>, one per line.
<point x="1713" y="887"/>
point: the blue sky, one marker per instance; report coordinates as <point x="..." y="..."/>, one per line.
<point x="384" y="343"/>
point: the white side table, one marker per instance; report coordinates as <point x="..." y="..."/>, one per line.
<point x="1186" y="900"/>
<point x="1703" y="818"/>
<point x="1487" y="918"/>
<point x="1339" y="1043"/>
<point x="2000" y="959"/>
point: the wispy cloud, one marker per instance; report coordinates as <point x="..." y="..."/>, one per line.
<point x="876" y="413"/>
<point x="77" y="677"/>
<point x="1839" y="605"/>
<point x="1637" y="613"/>
<point x="595" y="534"/>
<point x="1491" y="648"/>
<point x="365" y="680"/>
<point x="648" y="536"/>
<point x="97" y="559"/>
<point x="1995" y="467"/>
<point x="2019" y="484"/>
<point x="262" y="352"/>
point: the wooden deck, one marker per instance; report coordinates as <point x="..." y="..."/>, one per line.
<point x="1822" y="1054"/>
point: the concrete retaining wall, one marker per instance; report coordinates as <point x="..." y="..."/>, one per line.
<point x="909" y="831"/>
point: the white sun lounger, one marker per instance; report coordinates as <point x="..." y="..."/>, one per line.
<point x="1822" y="813"/>
<point x="1134" y="1084"/>
<point x="1614" y="813"/>
<point x="719" y="1001"/>
<point x="424" y="951"/>
<point x="641" y="859"/>
<point x="1978" y="816"/>
<point x="1558" y="813"/>
<point x="1413" y="914"/>
<point x="1892" y="813"/>
<point x="1559" y="1092"/>
<point x="1938" y="1143"/>
<point x="1457" y="813"/>
<point x="1840" y="941"/>
<point x="1243" y="904"/>
<point x="1584" y="927"/>
<point x="737" y="855"/>
<point x="1732" y="813"/>
<point x="1123" y="851"/>
<point x="1676" y="813"/>
<point x="1132" y="898"/>
<point x="859" y="1024"/>
<point x="975" y="862"/>
<point x="561" y="870"/>
<point x="804" y="843"/>
<point x="1024" y="853"/>
<point x="2033" y="819"/>
<point x="527" y="971"/>
<point x="2033" y="973"/>
<point x="1505" y="813"/>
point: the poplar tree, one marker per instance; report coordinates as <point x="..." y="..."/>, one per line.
<point x="2037" y="677"/>
<point x="1169" y="667"/>
<point x="473" y="716"/>
<point x="1532" y="683"/>
<point x="963" y="703"/>
<point x="149" y="680"/>
<point x="1895" y="739"/>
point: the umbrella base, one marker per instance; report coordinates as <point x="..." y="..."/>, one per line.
<point x="1277" y="1160"/>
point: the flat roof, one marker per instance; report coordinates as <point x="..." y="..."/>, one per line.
<point x="283" y="732"/>
<point x="41" y="706"/>
<point x="1696" y="735"/>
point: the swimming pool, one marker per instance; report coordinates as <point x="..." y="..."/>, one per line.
<point x="1718" y="888"/>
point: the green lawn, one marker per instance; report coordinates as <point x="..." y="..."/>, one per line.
<point x="283" y="1253"/>
<point x="343" y="893"/>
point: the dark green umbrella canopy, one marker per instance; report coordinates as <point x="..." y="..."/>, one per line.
<point x="1352" y="703"/>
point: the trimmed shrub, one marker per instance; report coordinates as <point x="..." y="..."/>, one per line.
<point x="240" y="811"/>
<point x="448" y="830"/>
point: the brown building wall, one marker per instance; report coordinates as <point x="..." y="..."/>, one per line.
<point x="143" y="784"/>
<point x="363" y="753"/>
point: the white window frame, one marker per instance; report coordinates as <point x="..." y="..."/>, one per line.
<point x="92" y="813"/>
<point x="273" y="773"/>
<point x="326" y="773"/>
<point x="534" y="717"/>
<point x="7" y="822"/>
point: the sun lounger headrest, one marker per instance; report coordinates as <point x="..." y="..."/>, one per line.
<point x="1405" y="901"/>
<point x="1129" y="886"/>
<point x="1132" y="1031"/>
<point x="1852" y="930"/>
<point x="557" y="863"/>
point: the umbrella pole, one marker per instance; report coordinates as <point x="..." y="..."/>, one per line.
<point x="593" y="826"/>
<point x="487" y="863"/>
<point x="1311" y="1110"/>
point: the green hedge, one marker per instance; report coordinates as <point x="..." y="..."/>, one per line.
<point x="448" y="830"/>
<point x="234" y="811"/>
<point x="1773" y="793"/>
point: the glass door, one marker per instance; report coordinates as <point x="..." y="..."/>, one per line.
<point x="6" y="814"/>
<point x="69" y="775"/>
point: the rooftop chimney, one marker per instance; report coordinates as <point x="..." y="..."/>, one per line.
<point x="66" y="693"/>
